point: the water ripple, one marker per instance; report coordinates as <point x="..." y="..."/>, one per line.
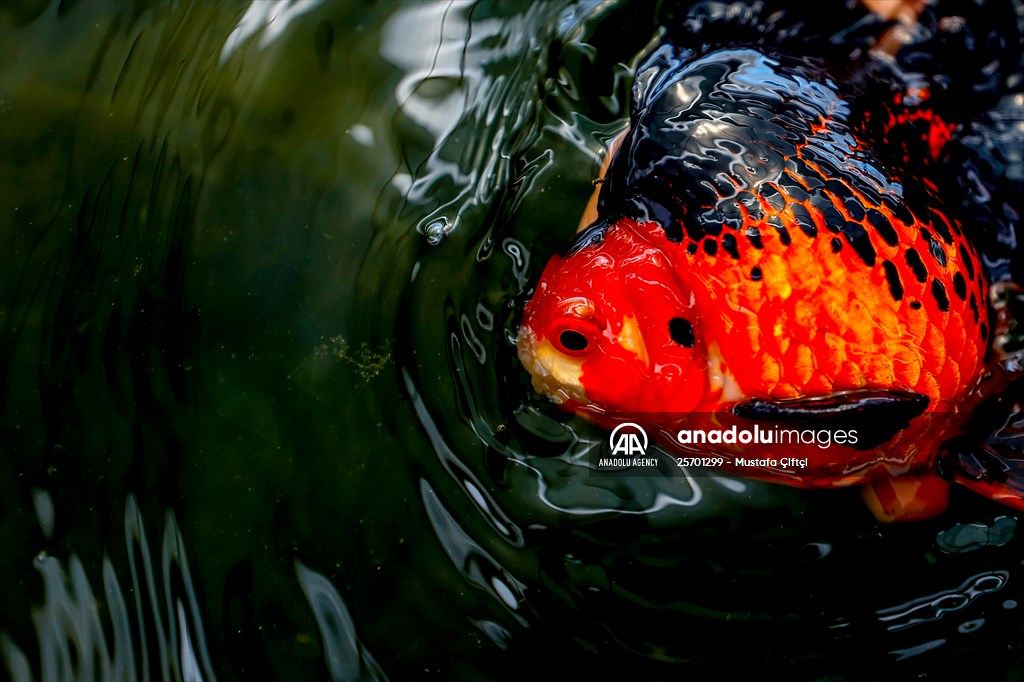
<point x="933" y="607"/>
<point x="472" y="561"/>
<point x="71" y="624"/>
<point x="463" y="86"/>
<point x="347" y="660"/>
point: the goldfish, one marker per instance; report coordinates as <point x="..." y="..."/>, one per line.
<point x="763" y="247"/>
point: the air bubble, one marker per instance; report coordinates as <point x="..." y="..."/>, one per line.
<point x="436" y="232"/>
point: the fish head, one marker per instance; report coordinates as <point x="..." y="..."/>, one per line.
<point x="611" y="328"/>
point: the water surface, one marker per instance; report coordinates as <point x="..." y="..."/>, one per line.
<point x="261" y="408"/>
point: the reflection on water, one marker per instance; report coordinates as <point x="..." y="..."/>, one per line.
<point x="72" y="622"/>
<point x="934" y="606"/>
<point x="271" y="18"/>
<point x="969" y="537"/>
<point x="346" y="658"/>
<point x="462" y="87"/>
<point x="270" y="262"/>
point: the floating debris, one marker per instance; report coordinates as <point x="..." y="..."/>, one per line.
<point x="367" y="362"/>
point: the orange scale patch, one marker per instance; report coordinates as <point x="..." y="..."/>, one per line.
<point x="803" y="364"/>
<point x="805" y="266"/>
<point x="878" y="370"/>
<point x="819" y="384"/>
<point x="907" y="366"/>
<point x="771" y="372"/>
<point x="804" y="315"/>
<point x="950" y="376"/>
<point x="889" y="321"/>
<point x="838" y="312"/>
<point x="785" y="390"/>
<point x="776" y="277"/>
<point x="934" y="348"/>
<point x="927" y="385"/>
<point x="956" y="336"/>
<point x="751" y="292"/>
<point x="754" y="337"/>
<point x="860" y="325"/>
<point x="850" y="375"/>
<point x="834" y="357"/>
<point x="783" y="342"/>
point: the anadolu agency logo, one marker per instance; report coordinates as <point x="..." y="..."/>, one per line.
<point x="626" y="449"/>
<point x="628" y="440"/>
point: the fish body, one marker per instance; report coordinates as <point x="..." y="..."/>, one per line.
<point x="766" y="248"/>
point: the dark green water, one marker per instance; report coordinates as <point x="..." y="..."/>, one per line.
<point x="261" y="413"/>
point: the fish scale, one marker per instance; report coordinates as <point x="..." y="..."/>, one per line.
<point x="833" y="185"/>
<point x="764" y="245"/>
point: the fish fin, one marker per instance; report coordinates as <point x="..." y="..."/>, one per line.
<point x="988" y="457"/>
<point x="906" y="498"/>
<point x="876" y="415"/>
<point x="998" y="475"/>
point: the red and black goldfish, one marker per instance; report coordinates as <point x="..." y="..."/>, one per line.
<point x="763" y="249"/>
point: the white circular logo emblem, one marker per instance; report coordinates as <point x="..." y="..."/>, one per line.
<point x="628" y="439"/>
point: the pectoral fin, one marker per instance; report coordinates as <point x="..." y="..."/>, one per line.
<point x="876" y="415"/>
<point x="989" y="457"/>
<point x="997" y="474"/>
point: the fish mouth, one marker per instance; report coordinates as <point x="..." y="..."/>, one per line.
<point x="553" y="373"/>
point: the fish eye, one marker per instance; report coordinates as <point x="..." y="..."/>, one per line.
<point x="681" y="331"/>
<point x="573" y="341"/>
